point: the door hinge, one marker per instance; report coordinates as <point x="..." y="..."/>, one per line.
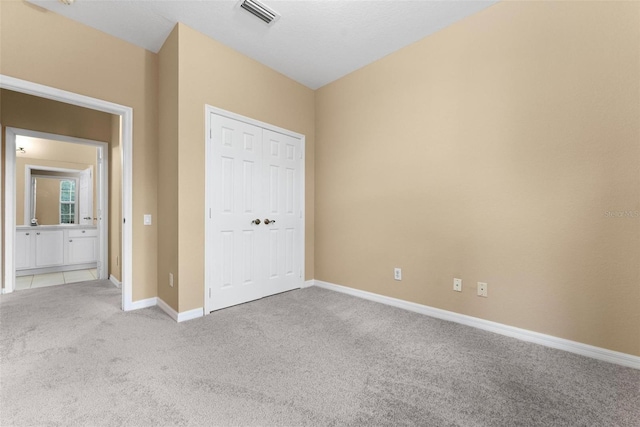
<point x="209" y="292"/>
<point x="209" y="213"/>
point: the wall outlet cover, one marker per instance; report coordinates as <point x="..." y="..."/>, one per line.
<point x="483" y="289"/>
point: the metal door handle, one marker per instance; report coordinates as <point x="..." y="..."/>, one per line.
<point x="268" y="221"/>
<point x="255" y="221"/>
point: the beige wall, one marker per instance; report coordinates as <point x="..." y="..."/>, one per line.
<point x="46" y="48"/>
<point x="168" y="166"/>
<point x="493" y="151"/>
<point x="48" y="200"/>
<point x="44" y="115"/>
<point x="211" y="73"/>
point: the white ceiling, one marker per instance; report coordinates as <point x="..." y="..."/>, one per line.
<point x="314" y="42"/>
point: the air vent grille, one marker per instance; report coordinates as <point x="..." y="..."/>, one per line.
<point x="259" y="10"/>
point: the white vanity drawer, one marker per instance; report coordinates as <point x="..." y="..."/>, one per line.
<point x="83" y="233"/>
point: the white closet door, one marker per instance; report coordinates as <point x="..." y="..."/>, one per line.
<point x="255" y="194"/>
<point x="281" y="173"/>
<point x="235" y="207"/>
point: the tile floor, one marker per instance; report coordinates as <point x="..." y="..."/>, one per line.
<point x="53" y="279"/>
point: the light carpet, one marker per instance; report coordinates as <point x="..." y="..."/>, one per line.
<point x="71" y="357"/>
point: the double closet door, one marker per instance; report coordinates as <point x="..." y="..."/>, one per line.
<point x="255" y="202"/>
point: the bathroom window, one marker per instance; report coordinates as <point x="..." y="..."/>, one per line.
<point x="68" y="202"/>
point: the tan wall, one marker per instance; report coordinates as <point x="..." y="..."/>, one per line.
<point x="168" y="167"/>
<point x="70" y="56"/>
<point x="210" y="73"/>
<point x="44" y="115"/>
<point x="53" y="154"/>
<point x="48" y="199"/>
<point x="493" y="151"/>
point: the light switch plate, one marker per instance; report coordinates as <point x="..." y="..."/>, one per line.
<point x="147" y="219"/>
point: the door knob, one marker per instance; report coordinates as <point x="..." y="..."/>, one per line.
<point x="255" y="221"/>
<point x="268" y="221"/>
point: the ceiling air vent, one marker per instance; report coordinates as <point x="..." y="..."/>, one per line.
<point x="258" y="9"/>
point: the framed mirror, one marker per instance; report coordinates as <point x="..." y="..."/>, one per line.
<point x="58" y="197"/>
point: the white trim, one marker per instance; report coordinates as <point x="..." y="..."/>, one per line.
<point x="144" y="303"/>
<point x="308" y="284"/>
<point x="10" y="210"/>
<point x="190" y="314"/>
<point x="219" y="111"/>
<point x="180" y="317"/>
<point x="593" y="352"/>
<point x="116" y="282"/>
<point x="126" y="136"/>
<point x="208" y="110"/>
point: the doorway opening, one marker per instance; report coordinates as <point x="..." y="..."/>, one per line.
<point x="125" y="114"/>
<point x="60" y="226"/>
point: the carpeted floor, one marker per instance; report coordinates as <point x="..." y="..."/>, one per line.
<point x="71" y="357"/>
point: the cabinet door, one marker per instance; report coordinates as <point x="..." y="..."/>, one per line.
<point x="49" y="248"/>
<point x="23" y="249"/>
<point x="83" y="250"/>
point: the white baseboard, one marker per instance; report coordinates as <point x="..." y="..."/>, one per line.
<point x="308" y="284"/>
<point x="498" y="328"/>
<point x="143" y="303"/>
<point x="180" y="317"/>
<point x="116" y="282"/>
<point x="190" y="314"/>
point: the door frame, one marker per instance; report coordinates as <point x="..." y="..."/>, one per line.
<point x="208" y="110"/>
<point x="126" y="153"/>
<point x="102" y="149"/>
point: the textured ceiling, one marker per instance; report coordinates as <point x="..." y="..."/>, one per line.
<point x="314" y="42"/>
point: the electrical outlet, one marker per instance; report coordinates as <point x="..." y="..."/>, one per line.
<point x="171" y="279"/>
<point x="457" y="285"/>
<point x="397" y="273"/>
<point x="482" y="289"/>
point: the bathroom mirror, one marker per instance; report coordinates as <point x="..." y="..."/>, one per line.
<point x="59" y="197"/>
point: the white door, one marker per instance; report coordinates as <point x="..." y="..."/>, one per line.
<point x="86" y="197"/>
<point x="254" y="242"/>
<point x="282" y="177"/>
